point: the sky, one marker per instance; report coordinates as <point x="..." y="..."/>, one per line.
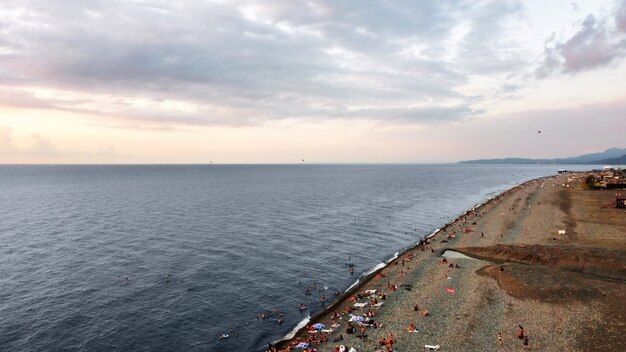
<point x="228" y="81"/>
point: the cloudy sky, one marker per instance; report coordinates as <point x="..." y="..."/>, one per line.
<point x="228" y="81"/>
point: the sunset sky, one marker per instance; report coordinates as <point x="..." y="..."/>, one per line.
<point x="161" y="81"/>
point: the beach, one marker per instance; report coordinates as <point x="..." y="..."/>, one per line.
<point x="546" y="271"/>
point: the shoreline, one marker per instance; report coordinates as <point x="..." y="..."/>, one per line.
<point x="544" y="269"/>
<point x="365" y="279"/>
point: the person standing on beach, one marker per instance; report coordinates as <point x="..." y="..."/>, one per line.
<point x="521" y="332"/>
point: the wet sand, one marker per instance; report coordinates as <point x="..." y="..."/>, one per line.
<point x="566" y="290"/>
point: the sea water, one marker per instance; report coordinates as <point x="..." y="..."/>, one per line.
<point x="168" y="258"/>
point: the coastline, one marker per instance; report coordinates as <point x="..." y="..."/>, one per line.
<point x="365" y="278"/>
<point x="396" y="319"/>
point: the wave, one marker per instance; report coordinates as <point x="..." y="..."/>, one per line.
<point x="432" y="233"/>
<point x="351" y="286"/>
<point x="295" y="330"/>
<point x="393" y="257"/>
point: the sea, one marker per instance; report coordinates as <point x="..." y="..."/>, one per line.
<point x="176" y="257"/>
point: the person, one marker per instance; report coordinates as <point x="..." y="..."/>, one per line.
<point x="416" y="308"/>
<point x="412" y="328"/>
<point x="521" y="333"/>
<point x="500" y="339"/>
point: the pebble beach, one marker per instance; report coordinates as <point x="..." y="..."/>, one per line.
<point x="514" y="291"/>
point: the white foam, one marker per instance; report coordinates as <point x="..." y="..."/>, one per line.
<point x="394" y="257"/>
<point x="351" y="286"/>
<point x="300" y="325"/>
<point x="379" y="266"/>
<point x="432" y="234"/>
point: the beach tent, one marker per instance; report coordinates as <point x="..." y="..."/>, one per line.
<point x="319" y="326"/>
<point x="303" y="345"/>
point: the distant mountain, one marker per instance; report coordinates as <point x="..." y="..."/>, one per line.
<point x="609" y="156"/>
<point x="620" y="160"/>
<point x="594" y="158"/>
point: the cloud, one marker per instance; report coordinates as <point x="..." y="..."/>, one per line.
<point x="160" y="64"/>
<point x="6" y="141"/>
<point x="564" y="132"/>
<point x="248" y="62"/>
<point x="620" y="17"/>
<point x="41" y="148"/>
<point x="598" y="42"/>
<point x="486" y="48"/>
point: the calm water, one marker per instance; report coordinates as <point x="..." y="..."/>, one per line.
<point x="167" y="258"/>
